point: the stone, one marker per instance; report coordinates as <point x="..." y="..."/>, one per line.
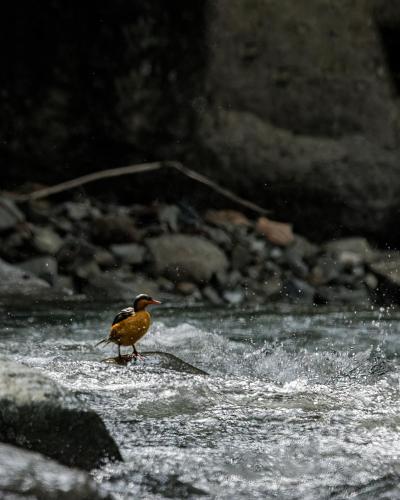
<point x="343" y="247"/>
<point x="37" y="414"/>
<point x="301" y="248"/>
<point x="234" y="278"/>
<point x="186" y="288"/>
<point x="240" y="257"/>
<point x="45" y="268"/>
<point x="74" y="251"/>
<point x="165" y="285"/>
<point x="130" y="253"/>
<point x="183" y="257"/>
<point x="109" y="286"/>
<point x="86" y="269"/>
<point x="298" y="290"/>
<point x="234" y="297"/>
<point x="338" y="294"/>
<point x="77" y="211"/>
<point x="326" y="270"/>
<point x="258" y="248"/>
<point x="157" y="359"/>
<point x="278" y="233"/>
<point x="104" y="258"/>
<point x="226" y="218"/>
<point x="112" y="229"/>
<point x="371" y="281"/>
<point x="17" y="281"/>
<point x="46" y="241"/>
<point x="210" y="294"/>
<point x="272" y="286"/>
<point x="10" y="214"/>
<point x="65" y="283"/>
<point x="168" y="215"/>
<point x="218" y="236"/>
<point x="388" y="267"/>
<point x="26" y="474"/>
<point x="254" y="272"/>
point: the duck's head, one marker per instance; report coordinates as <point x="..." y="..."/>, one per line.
<point x="142" y="301"/>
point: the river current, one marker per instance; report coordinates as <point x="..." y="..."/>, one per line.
<point x="297" y="404"/>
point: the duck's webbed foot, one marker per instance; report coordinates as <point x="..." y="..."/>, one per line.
<point x="136" y="355"/>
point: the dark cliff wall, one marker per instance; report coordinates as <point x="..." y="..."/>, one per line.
<point x="96" y="84"/>
<point x="294" y="104"/>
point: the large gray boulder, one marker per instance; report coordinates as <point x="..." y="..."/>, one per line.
<point x="182" y="257"/>
<point x="24" y="474"/>
<point x="37" y="414"/>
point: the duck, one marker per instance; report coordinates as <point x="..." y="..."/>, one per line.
<point x="131" y="324"/>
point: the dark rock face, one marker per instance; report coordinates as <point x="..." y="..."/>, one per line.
<point x="292" y="104"/>
<point x="348" y="185"/>
<point x="313" y="68"/>
<point x="24" y="474"/>
<point x="107" y="78"/>
<point x="38" y="415"/>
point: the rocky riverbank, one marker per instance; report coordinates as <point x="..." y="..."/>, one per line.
<point x="106" y="252"/>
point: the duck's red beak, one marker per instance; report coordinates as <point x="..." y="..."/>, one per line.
<point x="155" y="302"/>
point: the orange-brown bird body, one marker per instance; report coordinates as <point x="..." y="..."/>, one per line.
<point x="131" y="329"/>
<point x="131" y="324"/>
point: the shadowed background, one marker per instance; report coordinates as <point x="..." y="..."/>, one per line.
<point x="294" y="105"/>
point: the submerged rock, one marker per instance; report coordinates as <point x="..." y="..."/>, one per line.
<point x="35" y="413"/>
<point x="157" y="359"/>
<point x="25" y="474"/>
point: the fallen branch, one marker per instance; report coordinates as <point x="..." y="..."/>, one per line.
<point x="135" y="169"/>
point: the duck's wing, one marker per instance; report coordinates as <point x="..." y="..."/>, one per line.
<point x="125" y="313"/>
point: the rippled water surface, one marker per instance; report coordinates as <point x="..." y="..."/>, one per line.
<point x="297" y="405"/>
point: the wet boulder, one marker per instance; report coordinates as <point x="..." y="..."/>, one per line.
<point x="25" y="474"/>
<point x="129" y="253"/>
<point x="114" y="228"/>
<point x="182" y="257"/>
<point x="37" y="414"/>
<point x="387" y="272"/>
<point x="46" y="240"/>
<point x="17" y="281"/>
<point x="157" y="359"/>
<point x="343" y="248"/>
<point x="45" y="268"/>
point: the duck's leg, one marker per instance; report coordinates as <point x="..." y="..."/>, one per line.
<point x="119" y="351"/>
<point x="135" y="354"/>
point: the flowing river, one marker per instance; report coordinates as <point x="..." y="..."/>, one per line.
<point x="297" y="404"/>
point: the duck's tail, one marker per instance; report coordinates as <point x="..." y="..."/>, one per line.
<point x="105" y="341"/>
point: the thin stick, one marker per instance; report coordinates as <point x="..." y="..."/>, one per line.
<point x="135" y="169"/>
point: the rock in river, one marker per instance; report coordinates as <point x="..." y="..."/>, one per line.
<point x="24" y="474"/>
<point x="38" y="415"/>
<point x="182" y="257"/>
<point x="158" y="359"/>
